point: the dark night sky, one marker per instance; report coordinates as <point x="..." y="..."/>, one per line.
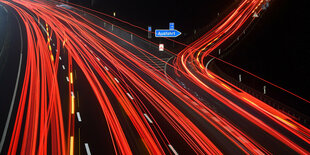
<point x="187" y="15"/>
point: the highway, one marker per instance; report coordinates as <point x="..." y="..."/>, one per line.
<point x="77" y="84"/>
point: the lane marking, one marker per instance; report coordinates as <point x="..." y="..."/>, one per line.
<point x="165" y="71"/>
<point x="172" y="149"/>
<point x="67" y="78"/>
<point x="106" y="68"/>
<point x="15" y="89"/>
<point x="207" y="66"/>
<point x="130" y="96"/>
<point x="63" y="67"/>
<point x="42" y="27"/>
<point x="4" y="9"/>
<point x="87" y="149"/>
<point x="78" y="116"/>
<point x="59" y="57"/>
<point x="12" y="105"/>
<point x="147" y="117"/>
<point x="116" y="80"/>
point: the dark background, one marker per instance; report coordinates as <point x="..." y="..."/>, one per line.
<point x="187" y="14"/>
<point x="277" y="49"/>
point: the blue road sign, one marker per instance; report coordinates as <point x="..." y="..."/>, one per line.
<point x="150" y="29"/>
<point x="171" y="26"/>
<point x="167" y="33"/>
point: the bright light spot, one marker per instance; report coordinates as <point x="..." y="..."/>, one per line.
<point x="71" y="145"/>
<point x="72" y="104"/>
<point x="201" y="66"/>
<point x="286" y="122"/>
<point x="211" y="76"/>
<point x="225" y="86"/>
<point x="64" y="42"/>
<point x="71" y="78"/>
<point x="198" y="56"/>
<point x="52" y="57"/>
<point x="249" y="101"/>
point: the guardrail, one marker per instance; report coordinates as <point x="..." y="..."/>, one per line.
<point x="295" y="107"/>
<point x="275" y="96"/>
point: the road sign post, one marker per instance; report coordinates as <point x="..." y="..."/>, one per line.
<point x="149" y="32"/>
<point x="171" y="26"/>
<point x="161" y="47"/>
<point x="255" y="15"/>
<point x="167" y="33"/>
<point x="171" y="32"/>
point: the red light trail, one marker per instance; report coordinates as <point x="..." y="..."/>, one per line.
<point x="39" y="124"/>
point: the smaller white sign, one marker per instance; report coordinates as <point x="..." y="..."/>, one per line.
<point x="161" y="47"/>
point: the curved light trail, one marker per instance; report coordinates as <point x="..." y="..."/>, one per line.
<point x="123" y="81"/>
